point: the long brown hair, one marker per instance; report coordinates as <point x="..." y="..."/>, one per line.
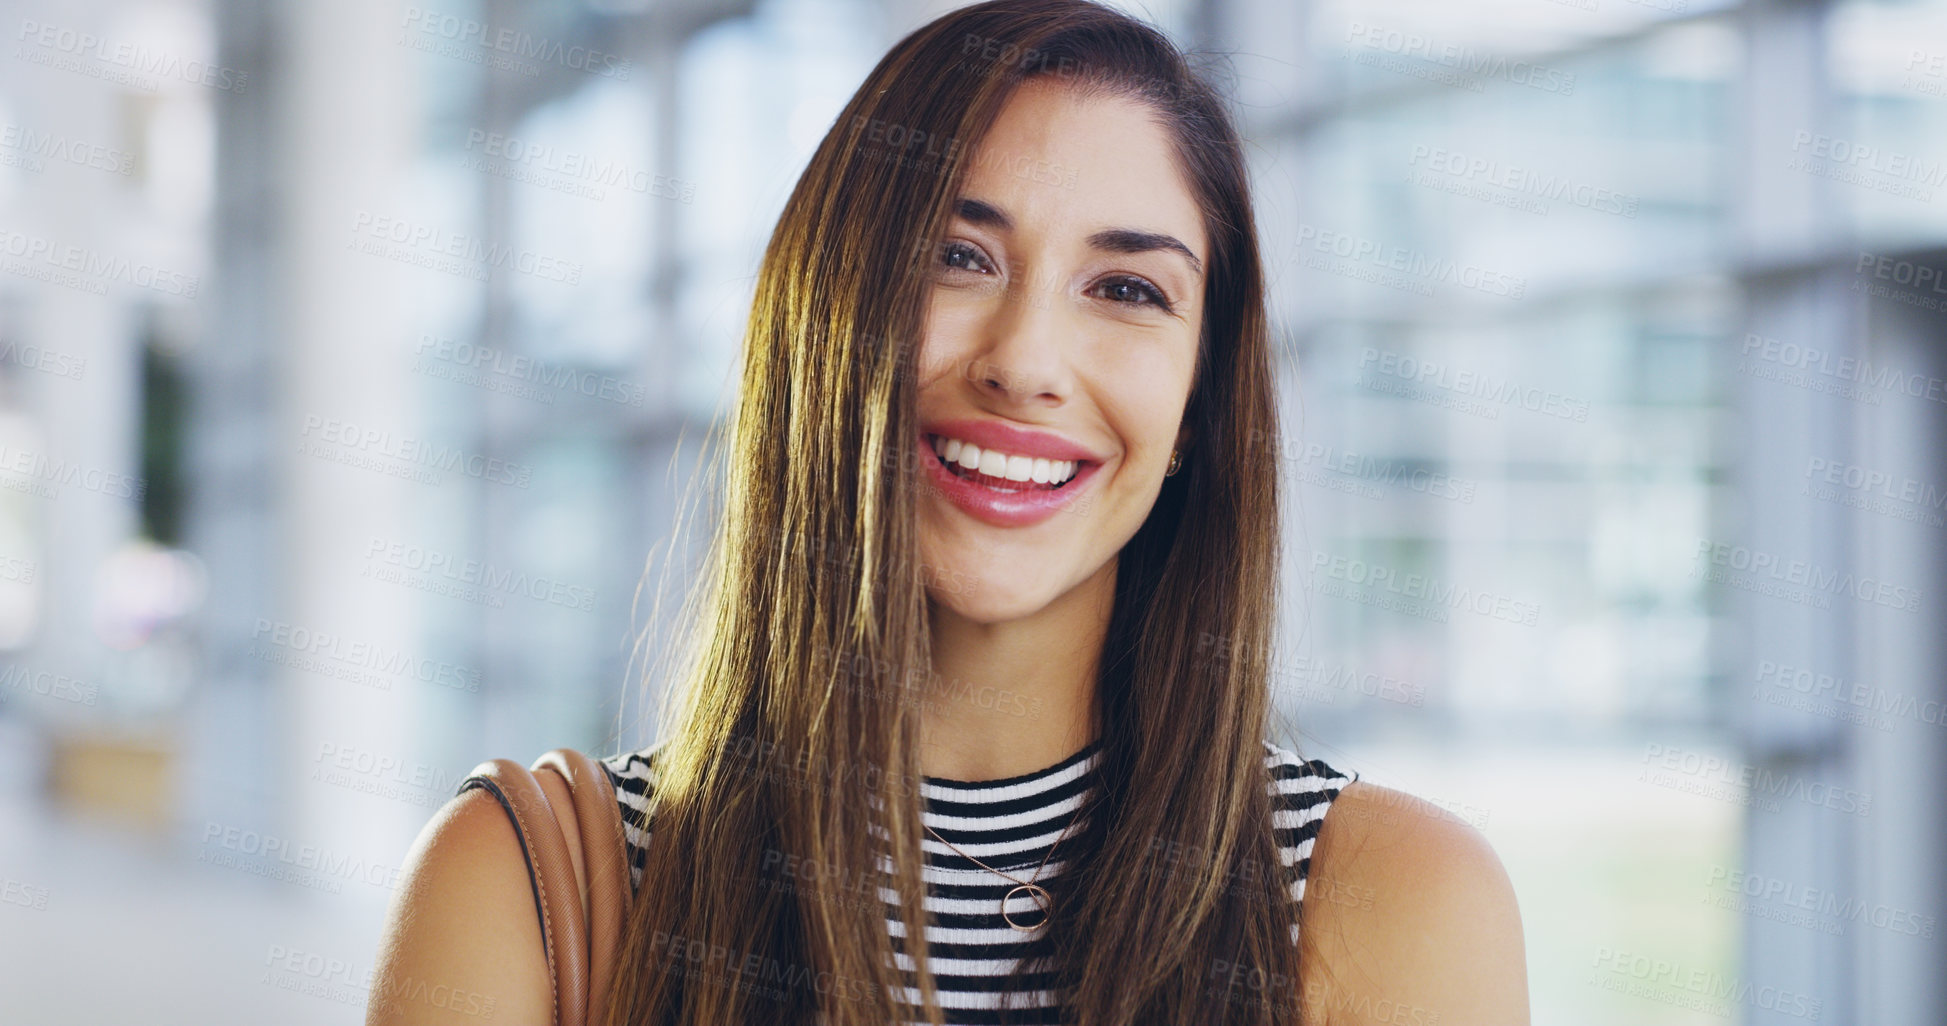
<point x="1174" y="908"/>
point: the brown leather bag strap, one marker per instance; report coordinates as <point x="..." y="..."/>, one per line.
<point x="580" y="947"/>
<point x="557" y="898"/>
<point x="604" y="858"/>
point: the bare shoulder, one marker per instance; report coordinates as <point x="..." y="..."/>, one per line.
<point x="1409" y="918"/>
<point x="462" y="943"/>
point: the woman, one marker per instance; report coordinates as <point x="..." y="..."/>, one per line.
<point x="991" y="610"/>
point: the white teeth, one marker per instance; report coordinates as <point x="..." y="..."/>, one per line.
<point x="1006" y="466"/>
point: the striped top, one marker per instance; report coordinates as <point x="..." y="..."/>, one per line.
<point x="1009" y="824"/>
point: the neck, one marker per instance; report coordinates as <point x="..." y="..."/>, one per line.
<point x="1015" y="696"/>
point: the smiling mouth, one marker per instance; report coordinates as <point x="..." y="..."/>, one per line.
<point x="1068" y="471"/>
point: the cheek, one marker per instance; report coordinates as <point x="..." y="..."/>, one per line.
<point x="934" y="368"/>
<point x="1147" y="398"/>
<point x="942" y="342"/>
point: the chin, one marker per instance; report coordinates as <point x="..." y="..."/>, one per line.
<point x="987" y="600"/>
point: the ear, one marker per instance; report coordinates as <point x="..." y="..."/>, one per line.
<point x="1183" y="436"/>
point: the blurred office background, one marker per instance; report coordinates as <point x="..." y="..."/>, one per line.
<point x="353" y="357"/>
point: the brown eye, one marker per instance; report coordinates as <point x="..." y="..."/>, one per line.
<point x="1132" y="292"/>
<point x="962" y="257"/>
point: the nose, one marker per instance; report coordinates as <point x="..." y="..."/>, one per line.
<point x="1024" y="352"/>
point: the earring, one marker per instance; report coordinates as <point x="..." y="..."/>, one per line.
<point x="1176" y="463"/>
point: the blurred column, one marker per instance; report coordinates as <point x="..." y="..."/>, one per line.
<point x="1782" y="227"/>
<point x="87" y="428"/>
<point x="1859" y="859"/>
<point x="353" y="87"/>
<point x="231" y="501"/>
<point x="307" y="330"/>
<point x="1900" y="944"/>
<point x="1796" y="843"/>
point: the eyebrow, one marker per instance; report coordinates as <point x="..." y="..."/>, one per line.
<point x="1115" y="240"/>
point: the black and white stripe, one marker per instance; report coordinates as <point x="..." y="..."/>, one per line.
<point x="1009" y="824"/>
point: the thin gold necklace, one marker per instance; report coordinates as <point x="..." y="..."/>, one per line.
<point x="1036" y="893"/>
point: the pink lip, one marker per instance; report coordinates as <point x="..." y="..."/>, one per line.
<point x="1023" y="508"/>
<point x="992" y="434"/>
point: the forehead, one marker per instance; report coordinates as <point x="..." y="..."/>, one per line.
<point x="1057" y="156"/>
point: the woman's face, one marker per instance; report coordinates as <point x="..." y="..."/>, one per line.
<point x="1062" y="327"/>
